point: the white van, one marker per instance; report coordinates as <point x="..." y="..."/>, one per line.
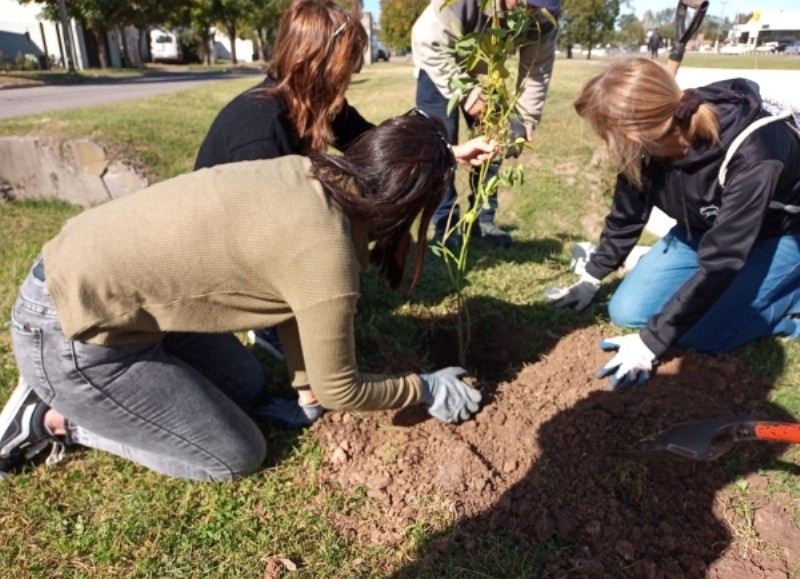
<point x="164" y="46"/>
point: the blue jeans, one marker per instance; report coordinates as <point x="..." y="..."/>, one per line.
<point x="175" y="406"/>
<point x="756" y="304"/>
<point x="430" y="100"/>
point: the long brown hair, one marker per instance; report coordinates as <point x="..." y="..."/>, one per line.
<point x="387" y="177"/>
<point x="318" y="48"/>
<point x="632" y="105"/>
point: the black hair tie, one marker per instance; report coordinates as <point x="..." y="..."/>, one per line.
<point x="690" y="102"/>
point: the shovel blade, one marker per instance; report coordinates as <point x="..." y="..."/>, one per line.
<point x="705" y="440"/>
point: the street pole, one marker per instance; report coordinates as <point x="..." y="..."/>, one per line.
<point x="66" y="33"/>
<point x="721" y="23"/>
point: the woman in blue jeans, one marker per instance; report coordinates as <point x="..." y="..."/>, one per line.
<point x="729" y="271"/>
<point x="123" y="329"/>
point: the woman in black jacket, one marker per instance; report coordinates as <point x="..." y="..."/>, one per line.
<point x="298" y="109"/>
<point x="729" y="271"/>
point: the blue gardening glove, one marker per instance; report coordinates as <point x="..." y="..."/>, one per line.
<point x="577" y="296"/>
<point x="288" y="413"/>
<point x="446" y="397"/>
<point x="632" y="364"/>
<point x="517" y="130"/>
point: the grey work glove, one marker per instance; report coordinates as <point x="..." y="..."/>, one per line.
<point x="446" y="397"/>
<point x="288" y="413"/>
<point x="577" y="296"/>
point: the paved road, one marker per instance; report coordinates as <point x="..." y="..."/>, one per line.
<point x="16" y="102"/>
<point x="780" y="84"/>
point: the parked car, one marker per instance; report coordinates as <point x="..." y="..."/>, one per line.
<point x="165" y="46"/>
<point x="793" y="48"/>
<point x="735" y="49"/>
<point x="768" y="47"/>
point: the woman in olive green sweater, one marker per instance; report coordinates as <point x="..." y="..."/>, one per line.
<point x="123" y="331"/>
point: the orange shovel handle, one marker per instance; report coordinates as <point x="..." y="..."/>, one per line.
<point x="779" y="431"/>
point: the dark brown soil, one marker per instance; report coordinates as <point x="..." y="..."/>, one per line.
<point x="536" y="468"/>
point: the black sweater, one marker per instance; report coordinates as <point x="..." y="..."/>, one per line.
<point x="254" y="126"/>
<point x="727" y="221"/>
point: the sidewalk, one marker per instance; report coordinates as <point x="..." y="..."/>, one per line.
<point x="777" y="84"/>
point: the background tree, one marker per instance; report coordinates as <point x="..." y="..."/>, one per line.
<point x="631" y="30"/>
<point x="264" y="17"/>
<point x="397" y="18"/>
<point x="588" y="22"/>
<point x="230" y="14"/>
<point x="202" y="18"/>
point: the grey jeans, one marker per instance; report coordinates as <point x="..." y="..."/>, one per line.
<point x="176" y="406"/>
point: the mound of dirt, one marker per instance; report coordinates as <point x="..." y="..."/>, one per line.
<point x="537" y="464"/>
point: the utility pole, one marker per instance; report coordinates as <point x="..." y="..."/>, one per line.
<point x="66" y="33"/>
<point x="721" y="23"/>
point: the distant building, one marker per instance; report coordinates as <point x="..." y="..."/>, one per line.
<point x="766" y="26"/>
<point x="13" y="44"/>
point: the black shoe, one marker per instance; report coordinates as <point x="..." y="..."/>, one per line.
<point x="268" y="340"/>
<point x="452" y="243"/>
<point x="22" y="431"/>
<point x="490" y="233"/>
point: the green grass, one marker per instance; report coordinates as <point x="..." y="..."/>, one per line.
<point x="99" y="516"/>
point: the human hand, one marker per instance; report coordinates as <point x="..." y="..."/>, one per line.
<point x="632" y="363"/>
<point x="519" y="136"/>
<point x="291" y="414"/>
<point x="475" y="104"/>
<point x="446" y="397"/>
<point x="577" y="296"/>
<point x="475" y="151"/>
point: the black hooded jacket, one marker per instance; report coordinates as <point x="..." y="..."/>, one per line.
<point x="726" y="221"/>
<point x="254" y="125"/>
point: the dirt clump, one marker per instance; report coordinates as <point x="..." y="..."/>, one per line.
<point x="538" y="465"/>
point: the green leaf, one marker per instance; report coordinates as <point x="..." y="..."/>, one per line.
<point x="453" y="103"/>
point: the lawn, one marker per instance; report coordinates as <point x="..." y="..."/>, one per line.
<point x="95" y="515"/>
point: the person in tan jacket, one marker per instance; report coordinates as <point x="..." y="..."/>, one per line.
<point x="433" y="39"/>
<point x="123" y="330"/>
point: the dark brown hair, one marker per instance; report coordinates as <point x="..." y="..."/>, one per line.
<point x="387" y="177"/>
<point x="318" y="48"/>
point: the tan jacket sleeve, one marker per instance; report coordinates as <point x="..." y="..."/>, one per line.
<point x="328" y="362"/>
<point x="536" y="61"/>
<point x="434" y="29"/>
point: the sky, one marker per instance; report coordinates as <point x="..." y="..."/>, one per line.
<point x="373" y="6"/>
<point x="718" y="8"/>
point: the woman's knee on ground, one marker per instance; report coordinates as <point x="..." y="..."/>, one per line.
<point x="626" y="311"/>
<point x="243" y="457"/>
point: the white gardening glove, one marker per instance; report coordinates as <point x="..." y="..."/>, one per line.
<point x="633" y="363"/>
<point x="577" y="296"/>
<point x="446" y="397"/>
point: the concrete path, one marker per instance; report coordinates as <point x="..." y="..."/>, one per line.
<point x="16" y="102"/>
<point x="782" y="85"/>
